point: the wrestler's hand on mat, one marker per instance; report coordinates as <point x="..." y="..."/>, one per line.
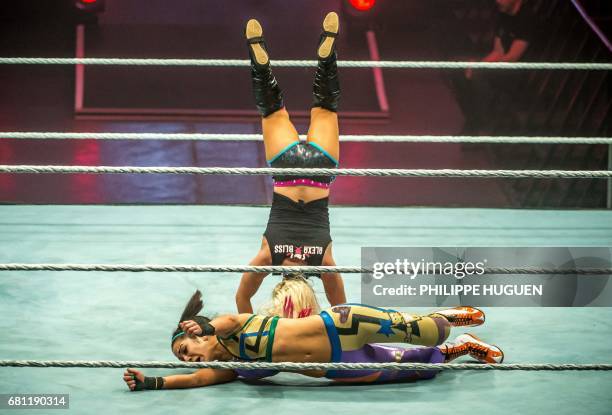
<point x="130" y="376"/>
<point x="136" y="381"/>
<point x="191" y="328"/>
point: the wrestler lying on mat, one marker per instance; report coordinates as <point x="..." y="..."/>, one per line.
<point x="343" y="333"/>
<point x="298" y="227"/>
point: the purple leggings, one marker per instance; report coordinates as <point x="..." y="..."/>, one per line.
<point x="377" y="353"/>
<point x="374" y="353"/>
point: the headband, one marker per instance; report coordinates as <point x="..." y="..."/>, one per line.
<point x="177" y="335"/>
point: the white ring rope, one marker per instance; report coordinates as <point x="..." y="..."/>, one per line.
<point x="259" y="171"/>
<point x="48" y="135"/>
<point x="589" y="66"/>
<point x="284" y="269"/>
<point x="290" y="366"/>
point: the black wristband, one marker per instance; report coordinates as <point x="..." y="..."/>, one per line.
<point x="207" y="329"/>
<point x="204" y="323"/>
<point x="150" y="383"/>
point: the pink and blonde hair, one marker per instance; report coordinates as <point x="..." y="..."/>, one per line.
<point x="293" y="297"/>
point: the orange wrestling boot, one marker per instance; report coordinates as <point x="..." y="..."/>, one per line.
<point x="472" y="345"/>
<point x="463" y="316"/>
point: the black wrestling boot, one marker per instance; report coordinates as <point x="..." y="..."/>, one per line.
<point x="326" y="87"/>
<point x="268" y="94"/>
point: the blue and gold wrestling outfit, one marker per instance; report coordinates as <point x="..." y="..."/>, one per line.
<point x="351" y="328"/>
<point x="254" y="340"/>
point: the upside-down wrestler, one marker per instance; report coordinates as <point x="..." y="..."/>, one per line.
<point x="298" y="231"/>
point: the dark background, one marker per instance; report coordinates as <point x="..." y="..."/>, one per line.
<point x="136" y="99"/>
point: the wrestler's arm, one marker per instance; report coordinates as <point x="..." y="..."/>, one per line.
<point x="223" y="326"/>
<point x="251" y="281"/>
<point x="332" y="281"/>
<point x="197" y="379"/>
<point x="228" y="324"/>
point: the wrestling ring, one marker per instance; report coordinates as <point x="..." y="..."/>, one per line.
<point x="55" y="310"/>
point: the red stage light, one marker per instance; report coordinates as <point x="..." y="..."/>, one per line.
<point x="89" y="7"/>
<point x="362" y="5"/>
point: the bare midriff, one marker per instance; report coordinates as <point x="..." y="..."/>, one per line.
<point x="305" y="193"/>
<point x="301" y="340"/>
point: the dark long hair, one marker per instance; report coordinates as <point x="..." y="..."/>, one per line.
<point x="193" y="307"/>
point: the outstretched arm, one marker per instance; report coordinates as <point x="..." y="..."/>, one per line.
<point x="251" y="281"/>
<point x="137" y="381"/>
